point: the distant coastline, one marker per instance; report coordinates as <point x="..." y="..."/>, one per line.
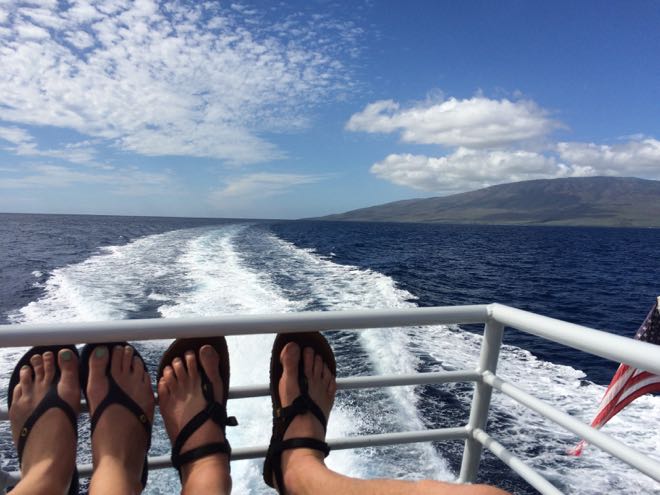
<point x="571" y="202"/>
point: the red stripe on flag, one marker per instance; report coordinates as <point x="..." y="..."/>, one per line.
<point x="623" y="389"/>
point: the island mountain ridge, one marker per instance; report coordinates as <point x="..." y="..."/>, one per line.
<point x="576" y="201"/>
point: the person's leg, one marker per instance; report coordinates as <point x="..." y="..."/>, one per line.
<point x="304" y="469"/>
<point x="119" y="440"/>
<point x="50" y="452"/>
<point x="180" y="398"/>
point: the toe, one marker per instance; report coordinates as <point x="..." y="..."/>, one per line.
<point x="116" y="360"/>
<point x="25" y="378"/>
<point x="180" y="370"/>
<point x="49" y="366"/>
<point x="98" y="364"/>
<point x="169" y="377"/>
<point x="211" y="365"/>
<point x="24" y="386"/>
<point x="127" y="359"/>
<point x="69" y="385"/>
<point x="137" y="366"/>
<point x="37" y="363"/>
<point x="68" y="363"/>
<point x="288" y="388"/>
<point x="163" y="391"/>
<point x="326" y="375"/>
<point x="191" y="365"/>
<point x="289" y="357"/>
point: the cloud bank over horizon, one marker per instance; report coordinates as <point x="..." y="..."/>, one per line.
<point x="492" y="142"/>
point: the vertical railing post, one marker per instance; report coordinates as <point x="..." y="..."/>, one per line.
<point x="490" y="351"/>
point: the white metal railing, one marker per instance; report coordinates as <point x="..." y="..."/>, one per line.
<point x="495" y="316"/>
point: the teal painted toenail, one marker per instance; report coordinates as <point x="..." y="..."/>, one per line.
<point x="100" y="352"/>
<point x="67" y="355"/>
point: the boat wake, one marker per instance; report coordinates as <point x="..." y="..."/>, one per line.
<point x="240" y="269"/>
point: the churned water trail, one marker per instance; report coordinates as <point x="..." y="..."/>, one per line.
<point x="243" y="268"/>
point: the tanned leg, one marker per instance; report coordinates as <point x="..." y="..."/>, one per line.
<point x="119" y="440"/>
<point x="180" y="398"/>
<point x="304" y="470"/>
<point x="50" y="452"/>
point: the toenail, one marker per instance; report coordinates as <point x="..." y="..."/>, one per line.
<point x="100" y="352"/>
<point x="25" y="367"/>
<point x="67" y="355"/>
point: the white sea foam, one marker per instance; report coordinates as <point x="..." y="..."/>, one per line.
<point x="234" y="269"/>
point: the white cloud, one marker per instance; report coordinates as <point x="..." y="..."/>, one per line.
<point x="169" y="77"/>
<point x="637" y="157"/>
<point x="43" y="17"/>
<point x="15" y="135"/>
<point x="477" y="122"/>
<point x="24" y="144"/>
<point x="27" y="31"/>
<point x="467" y="169"/>
<point x="491" y="142"/>
<point x="122" y="181"/>
<point x="259" y="185"/>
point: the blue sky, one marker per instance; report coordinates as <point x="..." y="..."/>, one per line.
<point x="296" y="109"/>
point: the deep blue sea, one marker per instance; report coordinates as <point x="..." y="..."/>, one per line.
<point x="84" y="268"/>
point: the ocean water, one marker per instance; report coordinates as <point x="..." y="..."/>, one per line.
<point x="85" y="268"/>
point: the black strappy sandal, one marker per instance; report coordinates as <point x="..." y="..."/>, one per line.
<point x="214" y="410"/>
<point x="284" y="416"/>
<point x="115" y="396"/>
<point x="50" y="400"/>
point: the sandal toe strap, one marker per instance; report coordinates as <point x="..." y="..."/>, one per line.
<point x="301" y="405"/>
<point x="50" y="400"/>
<point x="217" y="413"/>
<point x="117" y="396"/>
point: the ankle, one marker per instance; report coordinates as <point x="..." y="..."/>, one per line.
<point x="299" y="466"/>
<point x="120" y="467"/>
<point x="46" y="476"/>
<point x="206" y="475"/>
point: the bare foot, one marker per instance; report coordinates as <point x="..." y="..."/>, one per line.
<point x="50" y="451"/>
<point x="119" y="440"/>
<point x="180" y="398"/>
<point x="322" y="387"/>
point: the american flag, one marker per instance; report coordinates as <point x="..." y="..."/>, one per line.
<point x="628" y="383"/>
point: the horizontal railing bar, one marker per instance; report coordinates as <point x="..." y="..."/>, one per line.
<point x="351" y="383"/>
<point x="605" y="442"/>
<point x="604" y="344"/>
<point x="526" y="472"/>
<point x="32" y="334"/>
<point x="357" y="382"/>
<point x="256" y="452"/>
